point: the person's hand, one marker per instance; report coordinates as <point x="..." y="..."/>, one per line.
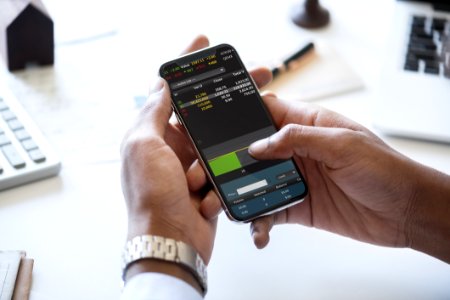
<point x="162" y="184"/>
<point x="156" y="171"/>
<point x="161" y="178"/>
<point x="165" y="187"/>
<point x="358" y="186"/>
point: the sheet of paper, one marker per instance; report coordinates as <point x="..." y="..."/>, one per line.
<point x="324" y="74"/>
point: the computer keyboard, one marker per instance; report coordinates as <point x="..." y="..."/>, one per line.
<point x="429" y="46"/>
<point x="25" y="154"/>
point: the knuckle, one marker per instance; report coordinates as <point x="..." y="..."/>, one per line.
<point x="283" y="143"/>
<point x="150" y="104"/>
<point x="214" y="200"/>
<point x="130" y="145"/>
<point x="133" y="143"/>
<point x="292" y="132"/>
<point x="211" y="206"/>
<point x="269" y="94"/>
<point x="349" y="137"/>
<point x="344" y="140"/>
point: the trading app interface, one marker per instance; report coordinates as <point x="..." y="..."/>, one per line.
<point x="222" y="110"/>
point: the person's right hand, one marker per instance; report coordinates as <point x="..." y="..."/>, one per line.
<point x="358" y="186"/>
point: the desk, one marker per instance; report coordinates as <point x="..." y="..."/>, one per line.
<point x="74" y="225"/>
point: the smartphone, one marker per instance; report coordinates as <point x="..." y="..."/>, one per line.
<point x="216" y="100"/>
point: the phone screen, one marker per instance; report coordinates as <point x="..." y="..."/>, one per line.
<point x="220" y="106"/>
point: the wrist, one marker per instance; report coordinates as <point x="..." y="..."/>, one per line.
<point x="429" y="215"/>
<point x="159" y="266"/>
<point x="152" y="253"/>
<point x="155" y="224"/>
<point x="158" y="224"/>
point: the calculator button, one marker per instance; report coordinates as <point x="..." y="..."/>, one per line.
<point x="13" y="156"/>
<point x="8" y="115"/>
<point x="21" y="134"/>
<point x="36" y="155"/>
<point x="4" y="139"/>
<point x="15" y="124"/>
<point x="29" y="144"/>
<point x="3" y="105"/>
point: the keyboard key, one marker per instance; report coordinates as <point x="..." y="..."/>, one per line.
<point x="422" y="54"/>
<point x="421" y="33"/>
<point x="438" y="24"/>
<point x="447" y="64"/>
<point x="21" y="134"/>
<point x="419" y="46"/>
<point x="447" y="73"/>
<point x="13" y="156"/>
<point x="422" y="41"/>
<point x="36" y="155"/>
<point x="15" y="124"/>
<point x="29" y="144"/>
<point x="418" y="21"/>
<point x="4" y="140"/>
<point x="8" y="115"/>
<point x="432" y="67"/>
<point x="424" y="47"/>
<point x="412" y="65"/>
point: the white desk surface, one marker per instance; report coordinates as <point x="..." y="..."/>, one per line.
<point x="74" y="225"/>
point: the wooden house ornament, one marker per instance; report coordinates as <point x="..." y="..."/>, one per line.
<point x="26" y="34"/>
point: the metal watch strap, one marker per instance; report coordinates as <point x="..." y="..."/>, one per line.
<point x="157" y="247"/>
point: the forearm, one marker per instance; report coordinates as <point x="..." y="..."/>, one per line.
<point x="429" y="215"/>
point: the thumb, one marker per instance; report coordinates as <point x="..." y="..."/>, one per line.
<point x="322" y="144"/>
<point x="156" y="113"/>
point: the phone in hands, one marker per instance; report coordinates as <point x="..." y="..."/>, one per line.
<point x="216" y="100"/>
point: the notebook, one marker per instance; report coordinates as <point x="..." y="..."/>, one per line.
<point x="325" y="73"/>
<point x="15" y="275"/>
<point x="414" y="91"/>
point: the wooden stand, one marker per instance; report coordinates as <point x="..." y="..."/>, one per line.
<point x="311" y="15"/>
<point x="26" y="33"/>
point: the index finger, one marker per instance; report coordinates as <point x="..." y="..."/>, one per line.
<point x="262" y="76"/>
<point x="198" y="43"/>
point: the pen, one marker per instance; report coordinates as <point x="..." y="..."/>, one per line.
<point x="287" y="63"/>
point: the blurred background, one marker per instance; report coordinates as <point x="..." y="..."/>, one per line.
<point x="107" y="55"/>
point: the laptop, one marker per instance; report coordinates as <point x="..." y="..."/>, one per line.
<point x="414" y="92"/>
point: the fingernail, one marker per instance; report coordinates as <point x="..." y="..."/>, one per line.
<point x="254" y="229"/>
<point x="254" y="234"/>
<point x="258" y="146"/>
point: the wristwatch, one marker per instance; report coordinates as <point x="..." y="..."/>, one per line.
<point x="158" y="247"/>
